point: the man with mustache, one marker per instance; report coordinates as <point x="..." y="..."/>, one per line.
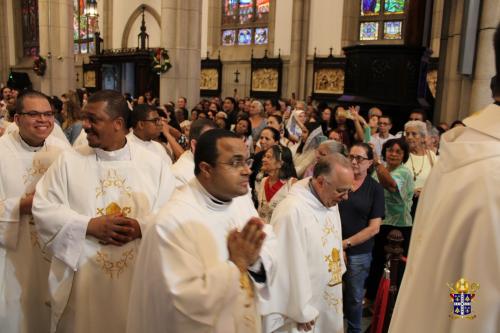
<point x="25" y="156"/>
<point x="208" y="258"/>
<point x="91" y="209"/>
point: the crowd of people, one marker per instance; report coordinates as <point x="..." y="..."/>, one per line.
<point x="120" y="215"/>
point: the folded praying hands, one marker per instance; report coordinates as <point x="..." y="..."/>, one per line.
<point x="114" y="229"/>
<point x="244" y="246"/>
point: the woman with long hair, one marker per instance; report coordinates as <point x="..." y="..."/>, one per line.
<point x="277" y="163"/>
<point x="72" y="124"/>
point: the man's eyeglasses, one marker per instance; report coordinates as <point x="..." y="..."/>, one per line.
<point x="358" y="158"/>
<point x="35" y="114"/>
<point x="383" y="123"/>
<point x="156" y="121"/>
<point x="239" y="164"/>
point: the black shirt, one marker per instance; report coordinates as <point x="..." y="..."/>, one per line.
<point x="364" y="204"/>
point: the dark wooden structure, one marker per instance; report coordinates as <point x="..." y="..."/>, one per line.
<point x="266" y="77"/>
<point x="392" y="77"/>
<point x="211" y="77"/>
<point x="114" y="60"/>
<point x="328" y="77"/>
<point x="114" y="68"/>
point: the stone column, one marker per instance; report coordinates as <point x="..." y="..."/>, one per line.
<point x="298" y="49"/>
<point x="485" y="56"/>
<point x="4" y="41"/>
<point x="181" y="36"/>
<point x="460" y="95"/>
<point x="56" y="45"/>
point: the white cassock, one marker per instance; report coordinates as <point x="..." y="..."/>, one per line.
<point x="183" y="168"/>
<point x="56" y="132"/>
<point x="308" y="283"/>
<point x="184" y="281"/>
<point x="456" y="234"/>
<point x="24" y="269"/>
<point x="151" y="145"/>
<point x="90" y="282"/>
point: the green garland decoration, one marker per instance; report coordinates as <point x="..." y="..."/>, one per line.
<point x="161" y="61"/>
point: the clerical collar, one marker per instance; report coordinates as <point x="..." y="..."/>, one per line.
<point x="216" y="203"/>
<point x="122" y="154"/>
<point x="313" y="191"/>
<point x="27" y="146"/>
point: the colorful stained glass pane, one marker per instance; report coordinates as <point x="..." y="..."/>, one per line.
<point x="228" y="37"/>
<point x="230" y="7"/>
<point x="31" y="37"/>
<point x="245" y="36"/>
<point x="370" y="7"/>
<point x="246" y="11"/>
<point x="261" y="36"/>
<point x="262" y="6"/>
<point x="394" y="7"/>
<point x="368" y="31"/>
<point x="392" y="29"/>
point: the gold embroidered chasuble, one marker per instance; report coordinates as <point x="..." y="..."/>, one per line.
<point x="90" y="281"/>
<point x="24" y="267"/>
<point x="308" y="283"/>
<point x="193" y="287"/>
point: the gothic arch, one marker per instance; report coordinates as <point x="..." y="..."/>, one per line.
<point x="134" y="16"/>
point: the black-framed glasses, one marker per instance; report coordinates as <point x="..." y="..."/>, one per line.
<point x="239" y="164"/>
<point x="36" y="114"/>
<point x="156" y="121"/>
<point x="358" y="158"/>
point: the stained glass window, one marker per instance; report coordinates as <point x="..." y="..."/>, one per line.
<point x="392" y="29"/>
<point x="370" y="7"/>
<point x="382" y="19"/>
<point x="31" y="37"/>
<point x="228" y="37"/>
<point x="261" y="36"/>
<point x="368" y="31"/>
<point x="84" y="27"/>
<point x="245" y="22"/>
<point x="230" y="13"/>
<point x="245" y="37"/>
<point x="246" y="11"/>
<point x="394" y="7"/>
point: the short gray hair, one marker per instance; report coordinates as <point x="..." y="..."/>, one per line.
<point x="326" y="164"/>
<point x="334" y="147"/>
<point x="419" y="125"/>
<point x="259" y="105"/>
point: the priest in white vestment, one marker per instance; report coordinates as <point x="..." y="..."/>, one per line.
<point x="91" y="208"/>
<point x="306" y="294"/>
<point x="25" y="156"/>
<point x="206" y="263"/>
<point x="146" y="126"/>
<point x="456" y="233"/>
<point x="183" y="168"/>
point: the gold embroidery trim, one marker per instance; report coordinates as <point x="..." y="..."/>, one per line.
<point x="333" y="302"/>
<point x="37" y="169"/>
<point x="113" y="179"/>
<point x="114" y="268"/>
<point x="333" y="261"/>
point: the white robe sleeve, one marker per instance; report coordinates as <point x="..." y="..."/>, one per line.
<point x="180" y="288"/>
<point x="166" y="187"/>
<point x="60" y="229"/>
<point x="291" y="291"/>
<point x="9" y="220"/>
